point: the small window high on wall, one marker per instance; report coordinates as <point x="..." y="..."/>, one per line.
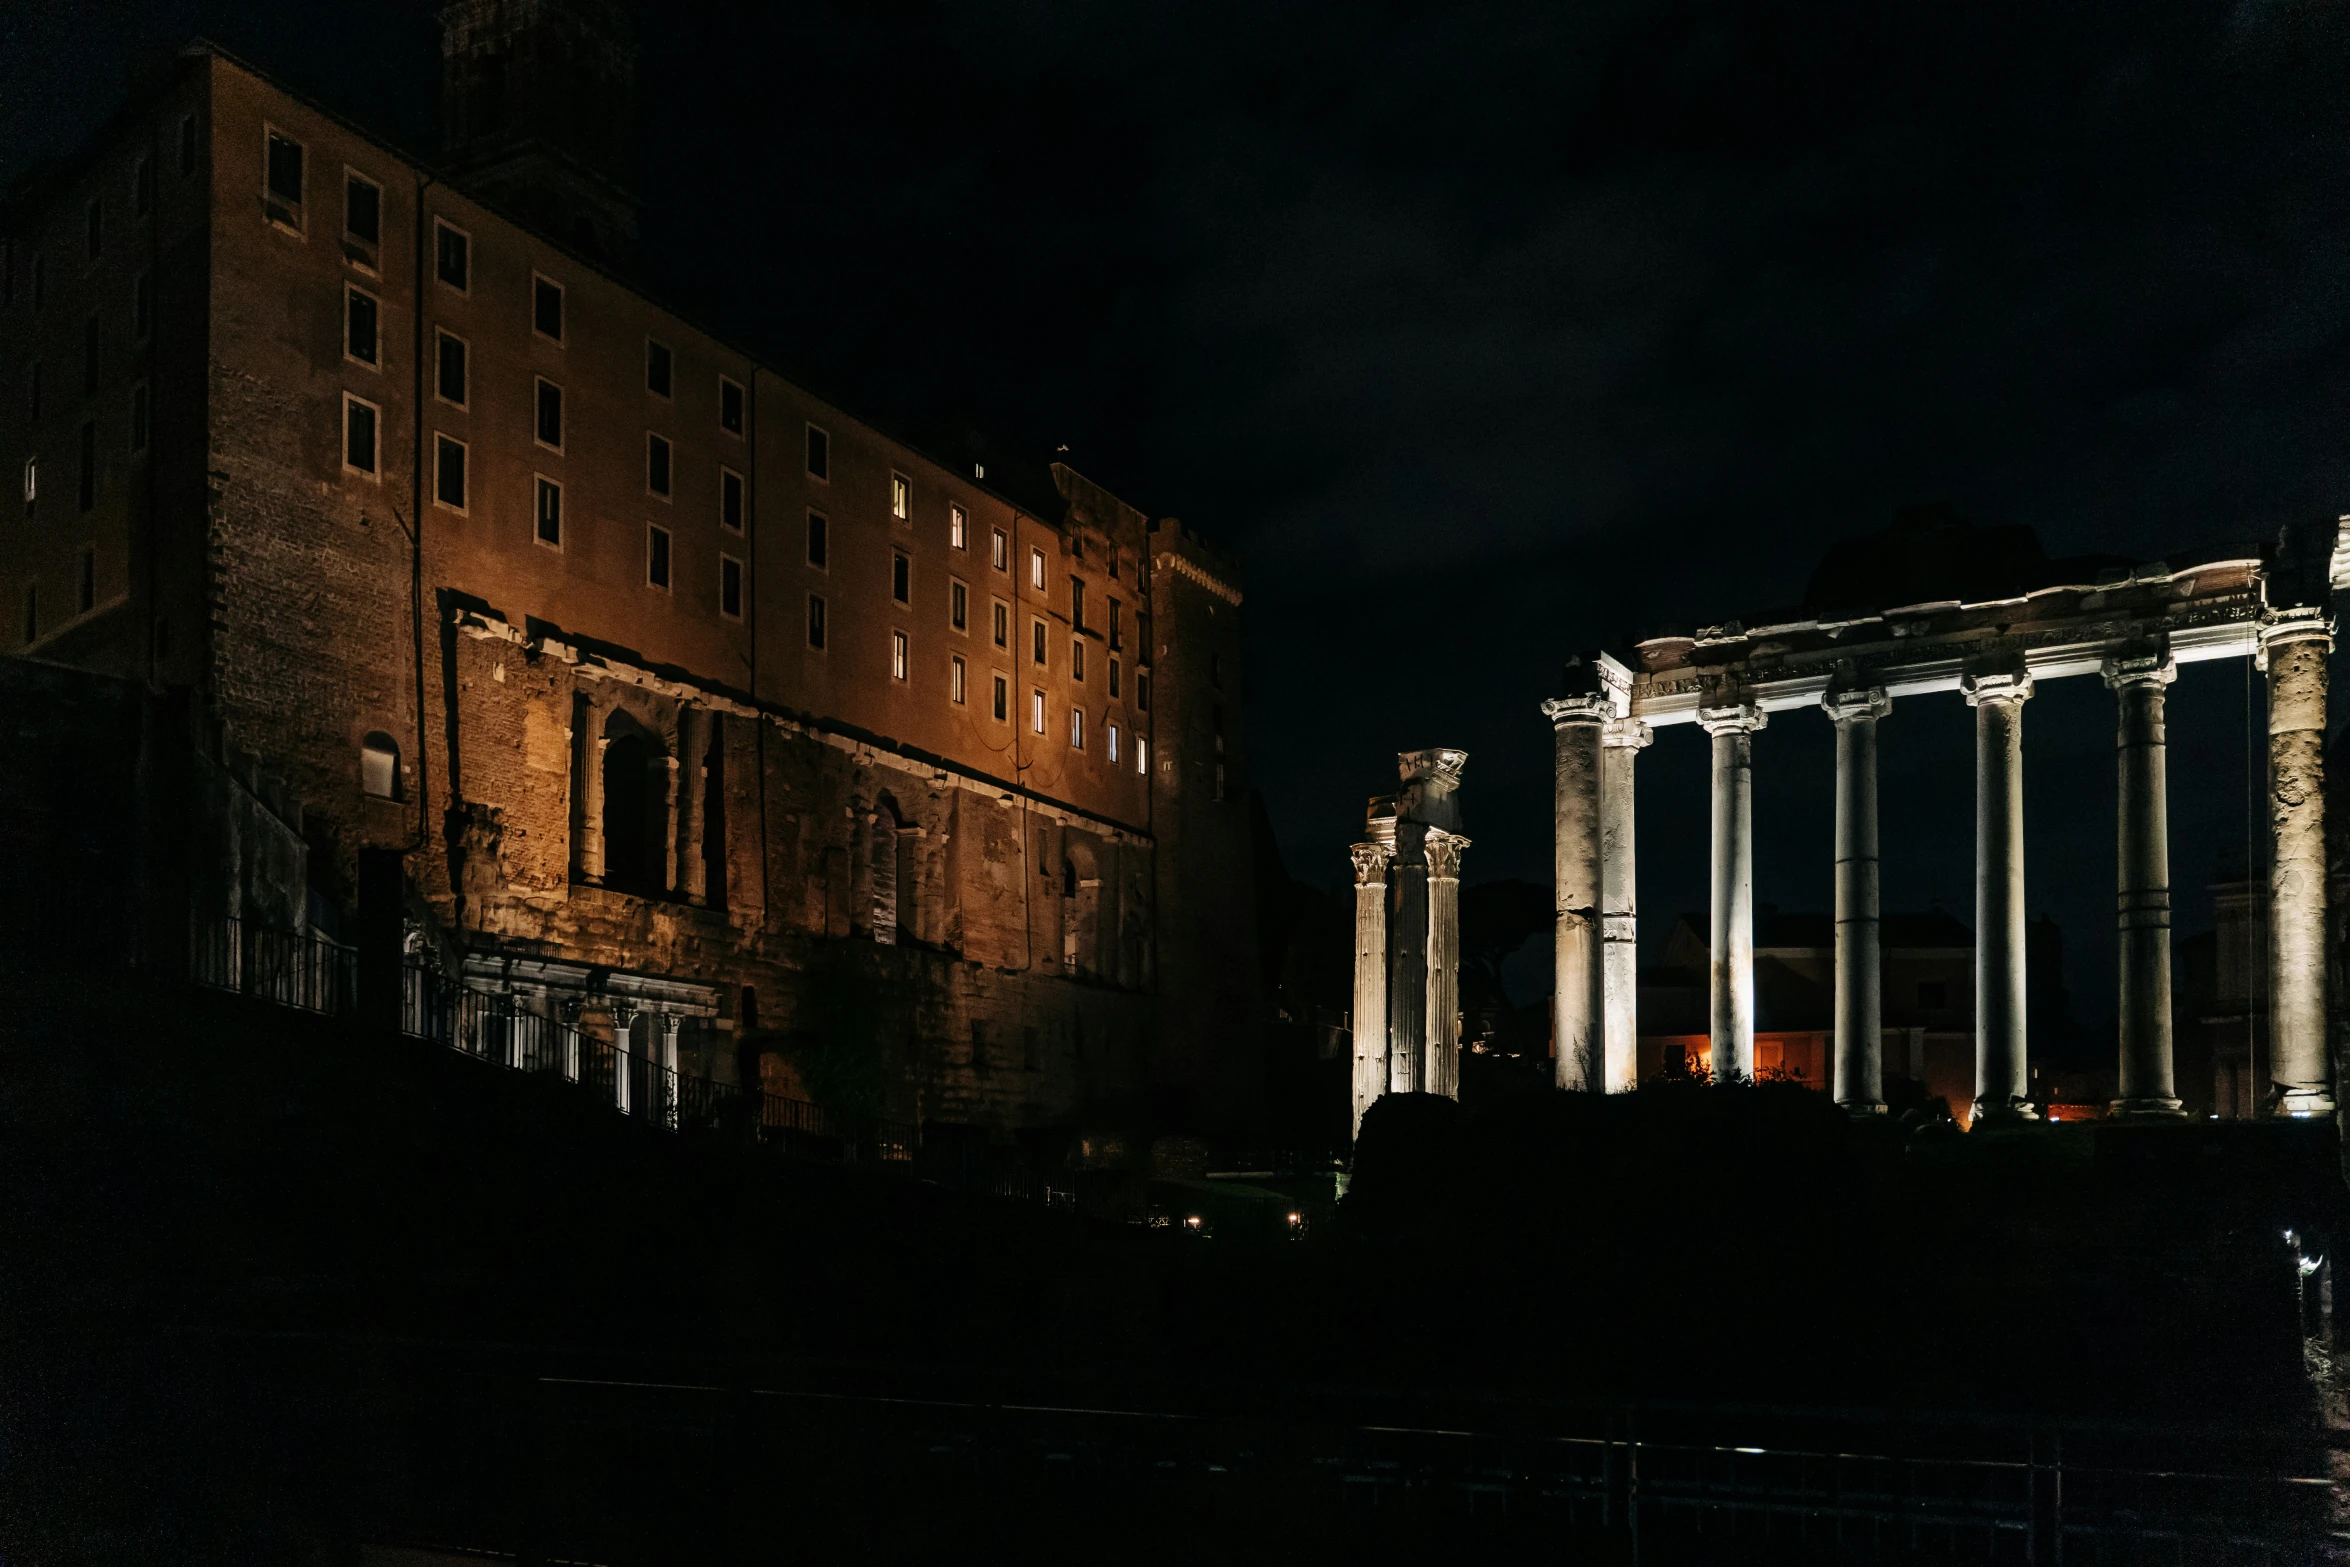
<point x="379" y="766"/>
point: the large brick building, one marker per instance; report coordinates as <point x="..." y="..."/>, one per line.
<point x="668" y="680"/>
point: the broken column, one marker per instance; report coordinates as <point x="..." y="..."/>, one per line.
<point x="1859" y="1018"/>
<point x="2294" y="644"/>
<point x="1731" y="925"/>
<point x="2002" y="1073"/>
<point x="2142" y="883"/>
<point x="1621" y="743"/>
<point x="1370" y="1008"/>
<point x="1578" y="1003"/>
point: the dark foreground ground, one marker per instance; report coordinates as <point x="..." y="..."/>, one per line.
<point x="275" y="1290"/>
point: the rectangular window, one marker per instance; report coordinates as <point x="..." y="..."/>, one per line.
<point x="901" y="578"/>
<point x="1113" y="679"/>
<point x="657" y="368"/>
<point x="1077" y="729"/>
<point x="1142" y="755"/>
<point x="897" y="655"/>
<point x="1076" y="603"/>
<point x="285" y="170"/>
<point x="958" y="527"/>
<point x="1077" y="658"/>
<point x="1142" y="690"/>
<point x="187" y="144"/>
<point x="816" y="620"/>
<point x="546" y="426"/>
<point x="94" y="228"/>
<point x="957" y="675"/>
<point x="958" y="606"/>
<point x="819" y="454"/>
<point x="143" y="186"/>
<point x="87" y="477"/>
<point x="1117" y="633"/>
<point x="359" y="425"/>
<point x="90" y="356"/>
<point x="1110" y="744"/>
<point x="86" y="594"/>
<point x="1036" y="570"/>
<point x="999" y="551"/>
<point x="1003" y="699"/>
<point x="546" y="307"/>
<point x="656" y="464"/>
<point x="730" y="406"/>
<point x="448" y="467"/>
<point x="550" y="512"/>
<point x="452" y="251"/>
<point x="362" y="208"/>
<point x="901" y="497"/>
<point x="143" y="307"/>
<point x="1036" y="641"/>
<point x="139" y="417"/>
<point x="730" y="587"/>
<point x="1003" y="625"/>
<point x="657" y="556"/>
<point x="359" y="320"/>
<point x="819" y="545"/>
<point x="1036" y="710"/>
<point x="730" y="500"/>
<point x="449" y="374"/>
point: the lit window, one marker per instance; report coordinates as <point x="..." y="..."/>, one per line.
<point x="958" y="527"/>
<point x="958" y="606"/>
<point x="449" y="472"/>
<point x="656" y="556"/>
<point x="955" y="681"/>
<point x="897" y="655"/>
<point x="379" y="766"/>
<point x="817" y="543"/>
<point x="1003" y="694"/>
<point x="550" y="512"/>
<point x="139" y="417"/>
<point x="901" y="497"/>
<point x="449" y="374"/>
<point x="730" y="587"/>
<point x="730" y="407"/>
<point x="359" y="424"/>
<point x="819" y="454"/>
<point x="1142" y="755"/>
<point x="1036" y="711"/>
<point x="901" y="578"/>
<point x="1003" y="625"/>
<point x="1110" y="742"/>
<point x="546" y="307"/>
<point x="452" y="256"/>
<point x="359" y="312"/>
<point x="1077" y="728"/>
<point x="1036" y="641"/>
<point x="1036" y="569"/>
<point x="548" y="427"/>
<point x="362" y="208"/>
<point x="730" y="500"/>
<point x="657" y="368"/>
<point x="32" y="481"/>
<point x="656" y="465"/>
<point x="999" y="550"/>
<point x="816" y="620"/>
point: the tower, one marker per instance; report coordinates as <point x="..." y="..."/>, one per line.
<point x="538" y="114"/>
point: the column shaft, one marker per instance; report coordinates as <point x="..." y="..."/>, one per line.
<point x="591" y="807"/>
<point x="2296" y="650"/>
<point x="1407" y="981"/>
<point x="1860" y="1053"/>
<point x="2002" y="1073"/>
<point x="1731" y="924"/>
<point x="1370" y="1007"/>
<point x="693" y="742"/>
<point x="1577" y="1007"/>
<point x="2142" y="885"/>
<point x="669" y="794"/>
<point x="1444" y="976"/>
<point x="1619" y="905"/>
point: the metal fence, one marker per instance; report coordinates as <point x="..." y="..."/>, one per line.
<point x="291" y="968"/>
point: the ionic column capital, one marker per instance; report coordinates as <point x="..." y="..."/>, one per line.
<point x="2004" y="685"/>
<point x="1849" y="704"/>
<point x="2139" y="669"/>
<point x="1371" y="863"/>
<point x="1738" y="718"/>
<point x="1565" y="710"/>
<point x="1626" y="734"/>
<point x="1444" y="852"/>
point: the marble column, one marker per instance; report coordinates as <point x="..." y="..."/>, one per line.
<point x="591" y="807"/>
<point x="1370" y="1011"/>
<point x="1407" y="976"/>
<point x="1860" y="1013"/>
<point x="2003" y="1084"/>
<point x="2142" y="884"/>
<point x="2294" y="646"/>
<point x="1577" y="1007"/>
<point x="1619" y="918"/>
<point x="623" y="1019"/>
<point x="693" y="741"/>
<point x="1731" y="924"/>
<point x="1444" y="975"/>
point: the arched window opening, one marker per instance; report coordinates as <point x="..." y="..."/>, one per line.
<point x="1080" y="911"/>
<point x="379" y="766"/>
<point x="636" y="808"/>
<point x="885" y="871"/>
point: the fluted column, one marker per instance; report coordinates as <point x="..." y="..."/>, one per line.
<point x="2002" y="1073"/>
<point x="693" y="744"/>
<point x="1860" y="1055"/>
<point x="1731" y="924"/>
<point x="1577" y="1004"/>
<point x="1370" y="1011"/>
<point x="1621" y="743"/>
<point x="1444" y="974"/>
<point x="2294" y="646"/>
<point x="591" y="808"/>
<point x="2142" y="883"/>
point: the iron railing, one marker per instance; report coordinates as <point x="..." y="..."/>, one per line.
<point x="291" y="968"/>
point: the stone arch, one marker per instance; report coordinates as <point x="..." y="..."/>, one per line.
<point x="1081" y="905"/>
<point x="636" y="775"/>
<point x="379" y="766"/>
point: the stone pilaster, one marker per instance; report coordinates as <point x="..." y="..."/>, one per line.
<point x="591" y="806"/>
<point x="1444" y="978"/>
<point x="1370" y="1007"/>
<point x="669" y="824"/>
<point x="1621" y="742"/>
<point x="2294" y="645"/>
<point x="2002" y="1071"/>
<point x="1731" y="925"/>
<point x="1859" y="1017"/>
<point x="693" y="744"/>
<point x="1577" y="998"/>
<point x="2142" y="883"/>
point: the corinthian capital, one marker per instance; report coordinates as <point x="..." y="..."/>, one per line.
<point x="1849" y="704"/>
<point x="1444" y="852"/>
<point x="1626" y="734"/>
<point x="1565" y="710"/>
<point x="1736" y="718"/>
<point x="1371" y="862"/>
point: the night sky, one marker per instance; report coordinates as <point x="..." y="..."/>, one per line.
<point x="1479" y="333"/>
